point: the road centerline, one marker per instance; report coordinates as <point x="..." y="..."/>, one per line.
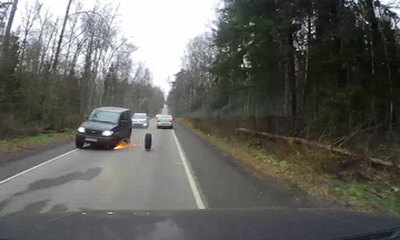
<point x="193" y="185"/>
<point x="37" y="166"/>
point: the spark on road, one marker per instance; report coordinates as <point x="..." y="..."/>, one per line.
<point x="122" y="145"/>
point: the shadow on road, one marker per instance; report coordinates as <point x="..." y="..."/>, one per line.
<point x="90" y="174"/>
<point x="32" y="208"/>
<point x="58" y="208"/>
<point x="4" y="203"/>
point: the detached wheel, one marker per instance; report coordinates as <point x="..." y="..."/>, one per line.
<point x="147" y="141"/>
<point x="79" y="144"/>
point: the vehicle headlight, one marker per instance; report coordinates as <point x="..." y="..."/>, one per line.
<point x="107" y="133"/>
<point x="144" y="124"/>
<point x="81" y="129"/>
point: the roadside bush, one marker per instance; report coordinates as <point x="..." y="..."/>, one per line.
<point x="9" y="127"/>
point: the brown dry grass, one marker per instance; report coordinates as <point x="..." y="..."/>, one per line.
<point x="326" y="178"/>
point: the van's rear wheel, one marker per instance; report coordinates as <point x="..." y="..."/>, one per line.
<point x="79" y="144"/>
<point x="147" y="141"/>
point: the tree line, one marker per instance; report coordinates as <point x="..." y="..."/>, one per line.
<point x="54" y="70"/>
<point x="322" y="65"/>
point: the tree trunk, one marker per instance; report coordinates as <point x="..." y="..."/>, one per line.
<point x="319" y="145"/>
<point x="70" y="44"/>
<point x="61" y="37"/>
<point x="389" y="74"/>
<point x="291" y="74"/>
<point x="9" y="24"/>
<point x="42" y="59"/>
<point x="373" y="45"/>
<point x="307" y="65"/>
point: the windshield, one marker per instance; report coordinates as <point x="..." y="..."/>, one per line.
<point x="165" y="117"/>
<point x="139" y="116"/>
<point x="192" y="105"/>
<point x="104" y="116"/>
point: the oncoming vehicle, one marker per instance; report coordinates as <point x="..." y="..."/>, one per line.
<point x="106" y="126"/>
<point x="165" y="121"/>
<point x="140" y="120"/>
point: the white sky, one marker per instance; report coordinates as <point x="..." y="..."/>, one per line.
<point x="162" y="28"/>
<point x="159" y="28"/>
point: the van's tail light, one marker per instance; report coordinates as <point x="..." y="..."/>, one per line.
<point x="171" y="120"/>
<point x="158" y="120"/>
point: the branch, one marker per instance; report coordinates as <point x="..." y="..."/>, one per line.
<point x="317" y="145"/>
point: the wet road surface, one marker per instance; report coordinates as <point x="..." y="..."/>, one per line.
<point x="133" y="179"/>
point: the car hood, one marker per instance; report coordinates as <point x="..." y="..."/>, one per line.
<point x="100" y="126"/>
<point x="274" y="223"/>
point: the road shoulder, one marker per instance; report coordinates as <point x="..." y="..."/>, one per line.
<point x="224" y="183"/>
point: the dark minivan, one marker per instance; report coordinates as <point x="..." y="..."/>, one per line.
<point x="106" y="126"/>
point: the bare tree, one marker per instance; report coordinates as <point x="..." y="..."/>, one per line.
<point x="61" y="36"/>
<point x="32" y="14"/>
<point x="10" y="23"/>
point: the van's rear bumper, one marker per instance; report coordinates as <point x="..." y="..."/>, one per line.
<point x="98" y="140"/>
<point x="164" y="125"/>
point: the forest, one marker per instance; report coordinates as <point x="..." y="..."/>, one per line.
<point x="55" y="69"/>
<point x="302" y="68"/>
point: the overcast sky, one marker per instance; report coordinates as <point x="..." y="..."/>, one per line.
<point x="159" y="28"/>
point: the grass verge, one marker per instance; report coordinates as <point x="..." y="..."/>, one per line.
<point x="312" y="171"/>
<point x="15" y="144"/>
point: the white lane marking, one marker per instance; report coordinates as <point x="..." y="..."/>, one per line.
<point x="37" y="166"/>
<point x="189" y="175"/>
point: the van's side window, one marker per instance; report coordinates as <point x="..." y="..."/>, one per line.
<point x="124" y="116"/>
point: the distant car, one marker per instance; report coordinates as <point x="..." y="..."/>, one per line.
<point x="165" y="121"/>
<point x="106" y="126"/>
<point x="140" y="120"/>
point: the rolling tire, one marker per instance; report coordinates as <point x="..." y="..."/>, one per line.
<point x="79" y="144"/>
<point x="147" y="141"/>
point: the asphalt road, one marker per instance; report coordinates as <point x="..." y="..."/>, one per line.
<point x="182" y="171"/>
